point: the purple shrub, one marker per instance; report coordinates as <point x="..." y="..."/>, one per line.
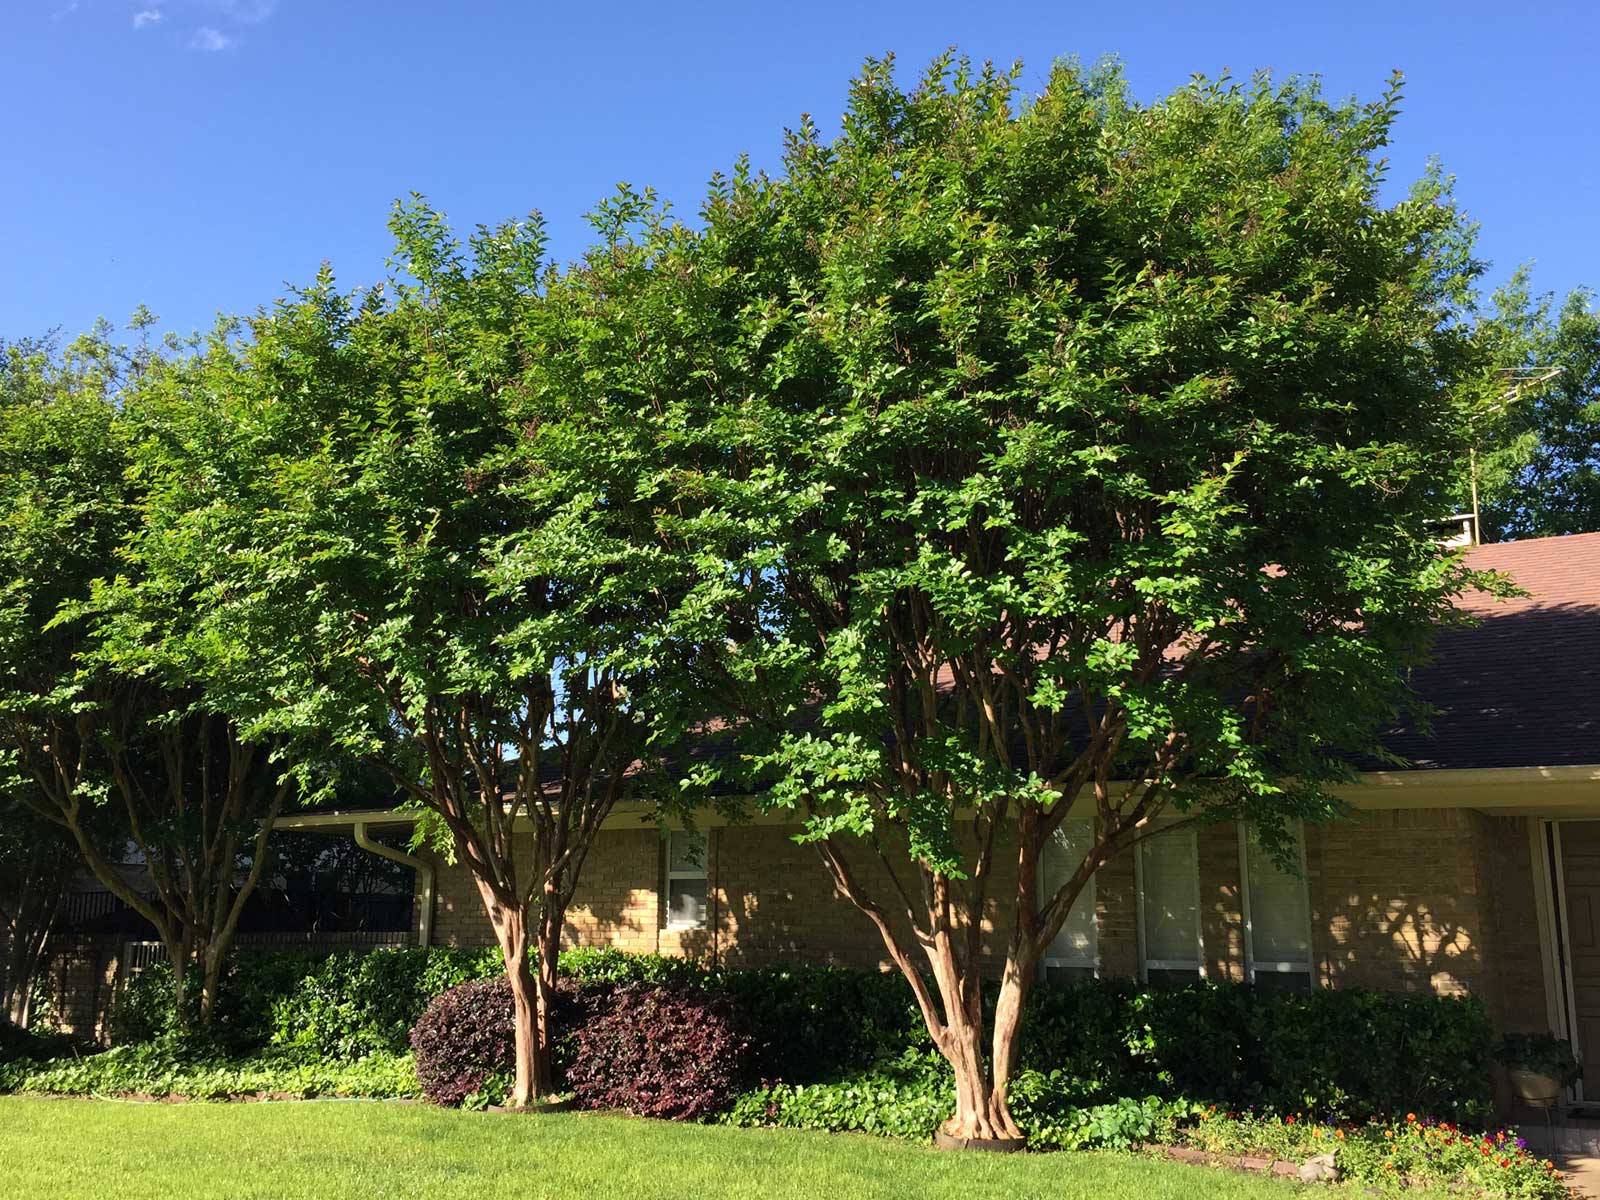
<point x="673" y="1052"/>
<point x="462" y="1038"/>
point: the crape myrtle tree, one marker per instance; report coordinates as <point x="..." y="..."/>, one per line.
<point x="1536" y="423"/>
<point x="112" y="731"/>
<point x="1057" y="453"/>
<point x="36" y="866"/>
<point x="437" y="563"/>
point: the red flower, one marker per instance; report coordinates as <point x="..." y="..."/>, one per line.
<point x="1288" y="1120"/>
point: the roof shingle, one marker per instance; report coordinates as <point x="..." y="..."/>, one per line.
<point x="1522" y="687"/>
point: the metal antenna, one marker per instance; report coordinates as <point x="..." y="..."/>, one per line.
<point x="1519" y="378"/>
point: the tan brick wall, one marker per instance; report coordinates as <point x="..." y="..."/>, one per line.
<point x="1221" y="903"/>
<point x="1410" y="900"/>
<point x="79" y="985"/>
<point x="617" y="902"/>
<point x="1517" y="997"/>
<point x="1396" y="904"/>
<point x="1116" y="915"/>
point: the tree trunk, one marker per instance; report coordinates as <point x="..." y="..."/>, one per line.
<point x="532" y="1059"/>
<point x="551" y="918"/>
<point x="981" y="1109"/>
<point x="1015" y="986"/>
<point x="211" y="981"/>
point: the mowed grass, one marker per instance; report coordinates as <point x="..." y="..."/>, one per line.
<point x="56" y="1149"/>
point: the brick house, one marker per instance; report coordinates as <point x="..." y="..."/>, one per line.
<point x="1475" y="870"/>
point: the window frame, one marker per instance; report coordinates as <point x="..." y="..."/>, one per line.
<point x="1146" y="963"/>
<point x="1275" y="966"/>
<point x="1092" y="962"/>
<point x="701" y="873"/>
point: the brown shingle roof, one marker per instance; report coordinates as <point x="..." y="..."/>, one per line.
<point x="1522" y="687"/>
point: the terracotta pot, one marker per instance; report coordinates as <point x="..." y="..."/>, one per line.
<point x="1534" y="1089"/>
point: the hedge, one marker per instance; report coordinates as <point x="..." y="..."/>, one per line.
<point x="1348" y="1054"/>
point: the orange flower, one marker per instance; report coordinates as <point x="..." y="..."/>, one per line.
<point x="1339" y="1133"/>
<point x="1388" y="1133"/>
<point x="1411" y="1118"/>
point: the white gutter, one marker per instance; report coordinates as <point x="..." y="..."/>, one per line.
<point x="424" y="870"/>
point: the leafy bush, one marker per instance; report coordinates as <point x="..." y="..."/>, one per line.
<point x="463" y="1038"/>
<point x="675" y="1052"/>
<point x="1385" y="1155"/>
<point x="353" y="1004"/>
<point x="19" y="1045"/>
<point x="810" y="1024"/>
<point x="338" y="1006"/>
<point x="1098" y="1042"/>
<point x="1235" y="1047"/>
<point x="1047" y="1107"/>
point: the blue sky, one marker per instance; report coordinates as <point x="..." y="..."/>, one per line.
<point x="194" y="155"/>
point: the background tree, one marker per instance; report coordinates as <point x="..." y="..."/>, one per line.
<point x="36" y="867"/>
<point x="1037" y="449"/>
<point x="415" y="535"/>
<point x="1537" y="428"/>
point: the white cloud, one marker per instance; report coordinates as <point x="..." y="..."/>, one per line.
<point x="65" y="11"/>
<point x="247" y="12"/>
<point x="209" y="40"/>
<point x="148" y="16"/>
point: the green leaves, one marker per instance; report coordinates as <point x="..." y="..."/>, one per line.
<point x="1015" y="433"/>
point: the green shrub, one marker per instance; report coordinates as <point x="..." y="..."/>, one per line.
<point x="19" y="1045"/>
<point x="811" y="1024"/>
<point x="338" y="1006"/>
<point x="1236" y="1047"/>
<point x="352" y="1004"/>
<point x="1346" y="1054"/>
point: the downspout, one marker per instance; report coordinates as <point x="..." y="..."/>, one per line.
<point x="422" y="867"/>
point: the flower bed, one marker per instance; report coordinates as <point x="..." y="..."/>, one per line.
<point x="1393" y="1156"/>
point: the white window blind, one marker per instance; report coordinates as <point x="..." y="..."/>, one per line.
<point x="687" y="858"/>
<point x="1168" y="869"/>
<point x="1073" y="953"/>
<point x="1277" y="917"/>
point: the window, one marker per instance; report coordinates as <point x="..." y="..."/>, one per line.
<point x="687" y="856"/>
<point x="1073" y="955"/>
<point x="1168" y="874"/>
<point x="1277" y="918"/>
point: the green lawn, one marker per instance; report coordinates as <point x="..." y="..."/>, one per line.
<point x="329" y="1150"/>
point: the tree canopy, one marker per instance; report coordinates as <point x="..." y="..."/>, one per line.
<point x="1002" y="459"/>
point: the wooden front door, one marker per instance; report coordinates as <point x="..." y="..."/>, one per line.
<point x="1580" y="869"/>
